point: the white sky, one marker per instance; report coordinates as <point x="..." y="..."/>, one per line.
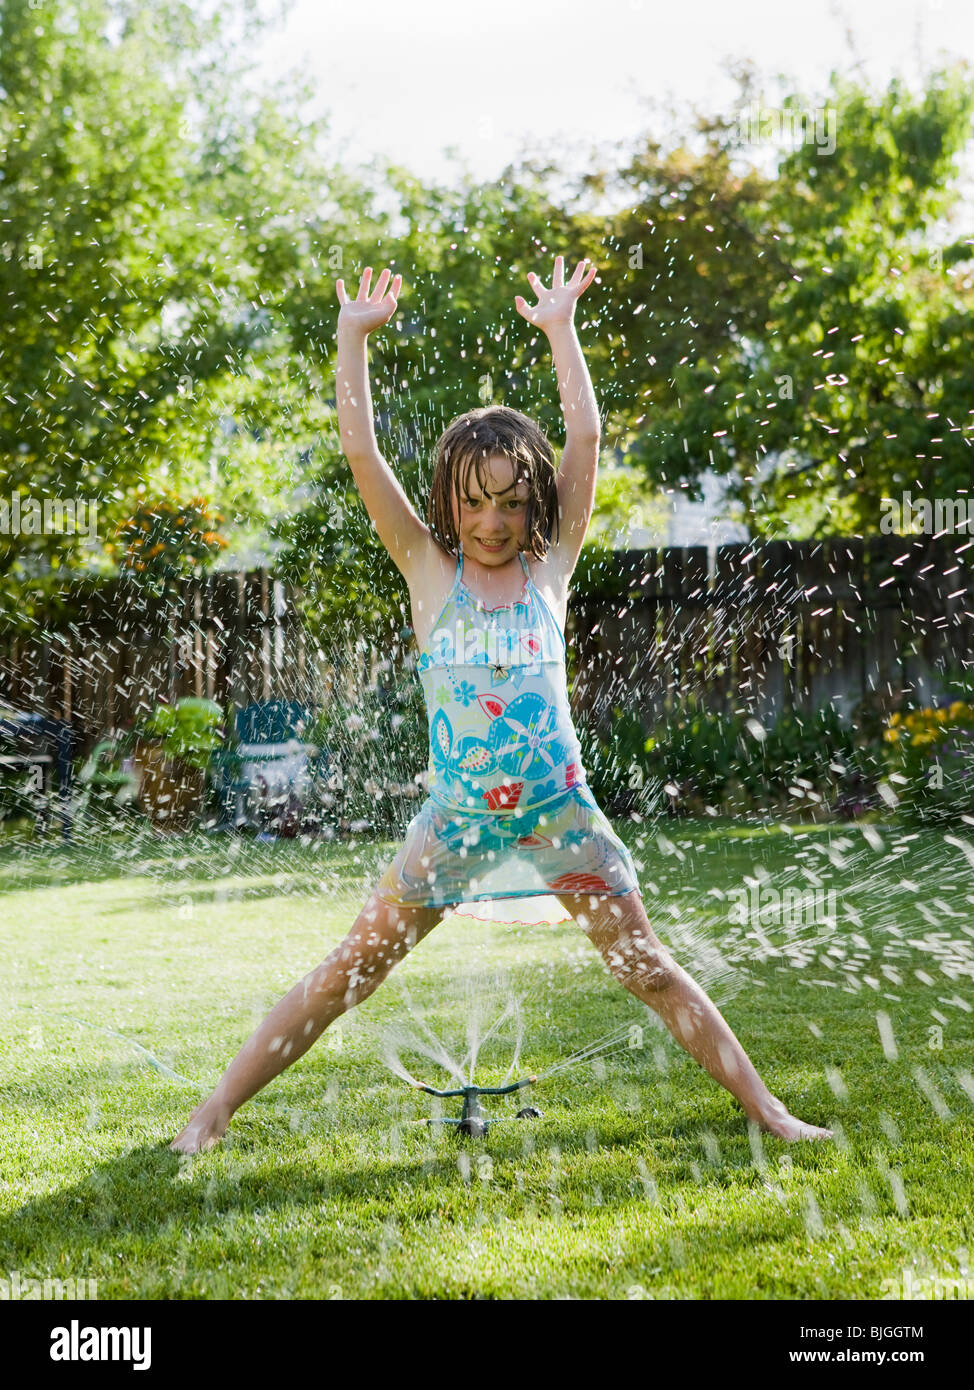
<point x="407" y="78"/>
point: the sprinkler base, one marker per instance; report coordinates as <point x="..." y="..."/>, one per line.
<point x="478" y="1126"/>
<point x="473" y="1122"/>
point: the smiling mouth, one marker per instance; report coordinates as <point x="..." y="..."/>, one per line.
<point x="492" y="545"/>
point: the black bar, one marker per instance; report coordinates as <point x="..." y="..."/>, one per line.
<point x="707" y="1335"/>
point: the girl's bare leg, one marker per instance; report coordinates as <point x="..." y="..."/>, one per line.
<point x="380" y="936"/>
<point x="637" y="958"/>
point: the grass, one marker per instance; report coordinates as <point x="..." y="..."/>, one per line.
<point x="642" y="1179"/>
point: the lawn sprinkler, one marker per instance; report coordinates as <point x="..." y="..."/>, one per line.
<point x="473" y="1121"/>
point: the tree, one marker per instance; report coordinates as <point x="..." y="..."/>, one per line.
<point x="820" y="359"/>
<point x="141" y="278"/>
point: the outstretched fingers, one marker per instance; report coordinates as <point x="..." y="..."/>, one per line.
<point x="579" y="282"/>
<point x="380" y="288"/>
<point x="581" y="279"/>
<point x="584" y="283"/>
<point x="373" y="296"/>
<point x="366" y="295"/>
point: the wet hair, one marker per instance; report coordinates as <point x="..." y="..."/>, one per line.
<point x="467" y="444"/>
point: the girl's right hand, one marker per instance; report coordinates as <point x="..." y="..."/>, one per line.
<point x="366" y="312"/>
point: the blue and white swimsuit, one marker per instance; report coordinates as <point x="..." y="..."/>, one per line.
<point x="509" y="813"/>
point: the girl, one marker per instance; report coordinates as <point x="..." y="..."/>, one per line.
<point x="509" y="813"/>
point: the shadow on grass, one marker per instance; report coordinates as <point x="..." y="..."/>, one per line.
<point x="151" y="1194"/>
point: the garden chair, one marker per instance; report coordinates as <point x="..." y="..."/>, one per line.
<point x="40" y="745"/>
<point x="271" y="780"/>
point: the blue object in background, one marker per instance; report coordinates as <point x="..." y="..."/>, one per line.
<point x="272" y="780"/>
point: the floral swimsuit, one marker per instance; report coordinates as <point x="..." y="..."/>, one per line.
<point x="509" y="814"/>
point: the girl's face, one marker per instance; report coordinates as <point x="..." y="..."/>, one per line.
<point x="492" y="520"/>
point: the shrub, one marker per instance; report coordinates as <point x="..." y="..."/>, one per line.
<point x="187" y="730"/>
<point x="932" y="750"/>
<point x="380" y="741"/>
<point x="728" y="761"/>
<point x="616" y="768"/>
<point x="165" y="537"/>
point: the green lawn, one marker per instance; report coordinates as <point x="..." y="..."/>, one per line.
<point x="640" y="1180"/>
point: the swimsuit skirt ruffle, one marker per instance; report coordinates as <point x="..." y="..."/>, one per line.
<point x="565" y="846"/>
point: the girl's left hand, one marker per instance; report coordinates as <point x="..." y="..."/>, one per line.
<point x="556" y="306"/>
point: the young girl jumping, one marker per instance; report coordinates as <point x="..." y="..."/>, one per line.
<point x="509" y="813"/>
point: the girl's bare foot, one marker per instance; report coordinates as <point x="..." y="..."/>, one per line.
<point x="206" y="1127"/>
<point x="776" y="1120"/>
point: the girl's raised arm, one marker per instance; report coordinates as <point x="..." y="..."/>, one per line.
<point x="401" y="531"/>
<point x="554" y="314"/>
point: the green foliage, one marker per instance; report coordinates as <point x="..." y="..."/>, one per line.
<point x="167" y="536"/>
<point x="958" y="682"/>
<point x="19" y="797"/>
<point x="187" y="730"/>
<point x="381" y="743"/>
<point x="930" y="759"/>
<point x="329" y="549"/>
<point x="698" y="757"/>
<point x="147" y="288"/>
<point x="860" y="371"/>
<point x="813" y="319"/>
<point x="698" y="751"/>
<point x="599" y="572"/>
<point x="165" y="327"/>
<point x="615" y="766"/>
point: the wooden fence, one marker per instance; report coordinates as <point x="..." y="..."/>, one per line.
<point x="776" y="626"/>
<point x="234" y="638"/>
<point x="761" y="627"/>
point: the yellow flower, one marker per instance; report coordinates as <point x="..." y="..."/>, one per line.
<point x="891" y="735"/>
<point x="957" y="709"/>
<point x="894" y="720"/>
<point x="940" y="715"/>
